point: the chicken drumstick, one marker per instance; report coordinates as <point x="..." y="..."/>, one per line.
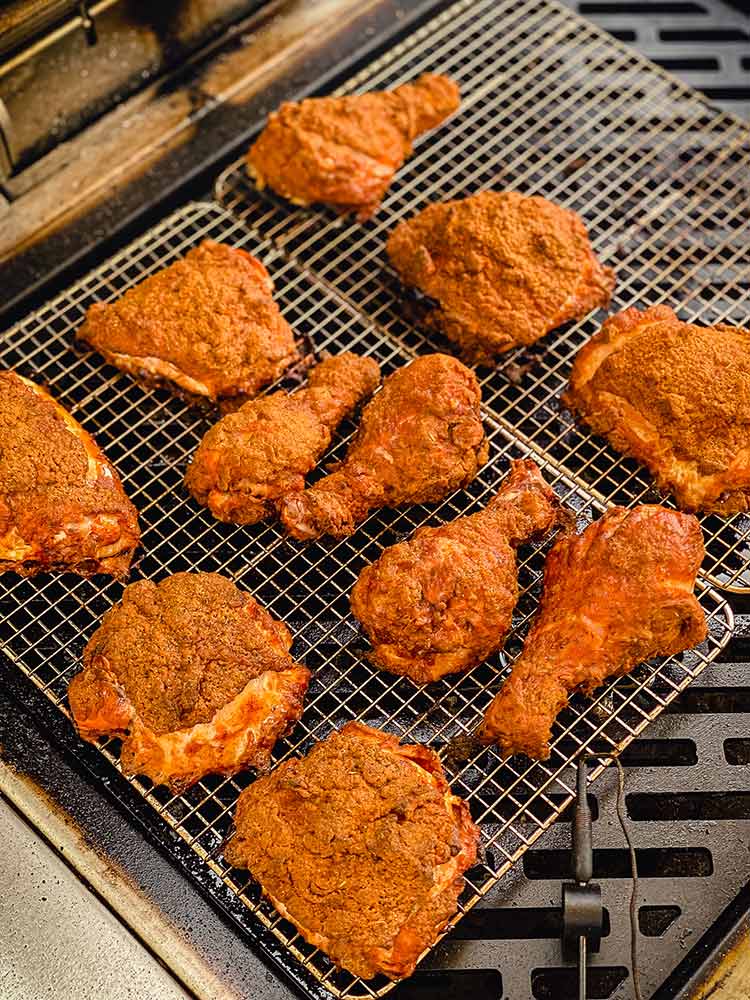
<point x="614" y="596"/>
<point x="443" y="601"/>
<point x="252" y="457"/>
<point x="420" y="438"/>
<point x="344" y="151"/>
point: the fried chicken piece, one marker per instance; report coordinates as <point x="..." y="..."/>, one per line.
<point x="361" y="845"/>
<point x="62" y="506"/>
<point x="345" y="151"/>
<point x="614" y="596"/>
<point x="675" y="396"/>
<point x="420" y="438"/>
<point x="502" y="269"/>
<point x="252" y="457"/>
<point x="441" y="602"/>
<point x="206" y="325"/>
<point x="194" y="674"/>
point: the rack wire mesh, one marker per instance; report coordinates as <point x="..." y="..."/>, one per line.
<point x="150" y="435"/>
<point x="551" y="105"/>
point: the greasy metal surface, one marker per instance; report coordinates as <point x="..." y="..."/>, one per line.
<point x="552" y="105"/>
<point x="48" y="914"/>
<point x="150" y="435"/>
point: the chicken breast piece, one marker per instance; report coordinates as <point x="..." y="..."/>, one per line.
<point x="501" y="268"/>
<point x="253" y="457"/>
<point x="361" y="845"/>
<point x="345" y="151"/>
<point x="206" y="325"/>
<point x="195" y="676"/>
<point x="614" y="596"/>
<point x="442" y="601"/>
<point x="62" y="506"/>
<point x="420" y="438"/>
<point x="675" y="396"/>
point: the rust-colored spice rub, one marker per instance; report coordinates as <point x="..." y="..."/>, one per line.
<point x="442" y="601"/>
<point x="501" y="268"/>
<point x="196" y="676"/>
<point x="614" y="596"/>
<point x="61" y="503"/>
<point x="675" y="396"/>
<point x="361" y="845"/>
<point x="345" y="151"/>
<point x="207" y="325"/>
<point x="253" y="457"/>
<point x="419" y="439"/>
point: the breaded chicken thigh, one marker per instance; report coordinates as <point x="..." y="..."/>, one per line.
<point x="195" y="676"/>
<point x="206" y="325"/>
<point x="501" y="268"/>
<point x="62" y="506"/>
<point x="675" y="396"/>
<point x="344" y="151"/>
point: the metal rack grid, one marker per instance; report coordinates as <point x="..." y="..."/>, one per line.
<point x="150" y="435"/>
<point x="551" y="105"/>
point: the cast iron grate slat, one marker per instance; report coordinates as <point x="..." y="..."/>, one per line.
<point x="150" y="435"/>
<point x="553" y="106"/>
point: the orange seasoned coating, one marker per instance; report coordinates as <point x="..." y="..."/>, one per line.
<point x="501" y="268"/>
<point x="196" y="676"/>
<point x="62" y="506"/>
<point x="206" y="325"/>
<point x="253" y="457"/>
<point x="361" y="845"/>
<point x="614" y="596"/>
<point x="675" y="396"/>
<point x="345" y="151"/>
<point x="443" y="600"/>
<point x="419" y="439"/>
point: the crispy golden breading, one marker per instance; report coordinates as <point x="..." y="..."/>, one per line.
<point x="361" y="845"/>
<point x="251" y="458"/>
<point x="62" y="506"/>
<point x="614" y="596"/>
<point x="344" y="151"/>
<point x="442" y="601"/>
<point x="419" y="438"/>
<point x="503" y="269"/>
<point x="206" y="325"/>
<point x="194" y="674"/>
<point x="675" y="396"/>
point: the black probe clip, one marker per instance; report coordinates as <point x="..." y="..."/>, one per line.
<point x="583" y="914"/>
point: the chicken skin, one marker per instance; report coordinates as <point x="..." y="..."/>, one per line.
<point x="502" y="269"/>
<point x="614" y="596"/>
<point x="441" y="602"/>
<point x="345" y="151"/>
<point x="62" y="506"/>
<point x="252" y="457"/>
<point x="675" y="396"/>
<point x="206" y="326"/>
<point x="194" y="674"/>
<point x="361" y="845"/>
<point x="419" y="439"/>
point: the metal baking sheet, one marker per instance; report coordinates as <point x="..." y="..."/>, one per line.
<point x="150" y="436"/>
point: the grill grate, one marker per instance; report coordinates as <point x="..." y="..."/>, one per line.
<point x="150" y="435"/>
<point x="553" y="106"/>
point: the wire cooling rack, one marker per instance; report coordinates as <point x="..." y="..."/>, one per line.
<point x="150" y="436"/>
<point x="551" y="105"/>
